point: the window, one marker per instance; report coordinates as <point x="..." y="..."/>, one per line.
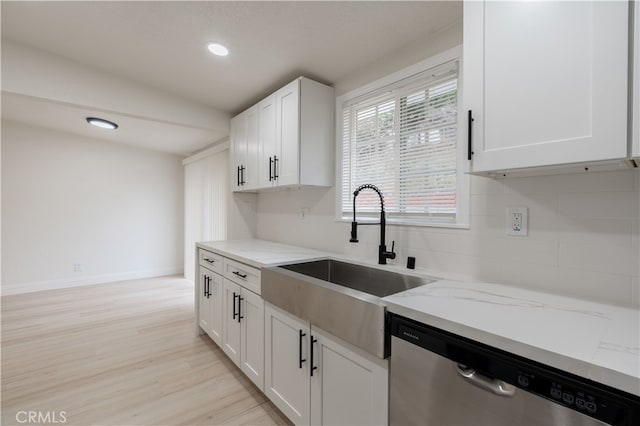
<point x="403" y="138"/>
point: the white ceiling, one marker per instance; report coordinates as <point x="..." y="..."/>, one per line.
<point x="144" y="133"/>
<point x="163" y="44"/>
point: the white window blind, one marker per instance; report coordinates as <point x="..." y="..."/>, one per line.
<point x="403" y="139"/>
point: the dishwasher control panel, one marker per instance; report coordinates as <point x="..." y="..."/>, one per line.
<point x="573" y="396"/>
<point x="590" y="398"/>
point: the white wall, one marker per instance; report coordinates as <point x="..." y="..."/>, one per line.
<point x="583" y="228"/>
<point x="114" y="209"/>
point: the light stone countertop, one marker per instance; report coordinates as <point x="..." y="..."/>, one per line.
<point x="596" y="341"/>
<point x="261" y="253"/>
<point x="593" y="340"/>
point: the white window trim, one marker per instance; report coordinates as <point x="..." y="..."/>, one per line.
<point x="463" y="179"/>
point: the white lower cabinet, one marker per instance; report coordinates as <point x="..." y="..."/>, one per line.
<point x="210" y="304"/>
<point x="348" y="388"/>
<point x="286" y="356"/>
<point x="252" y="336"/>
<point x="315" y="378"/>
<point x="243" y="330"/>
<point x="230" y="322"/>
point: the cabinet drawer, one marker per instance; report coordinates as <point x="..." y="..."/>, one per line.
<point x="247" y="276"/>
<point x="210" y="261"/>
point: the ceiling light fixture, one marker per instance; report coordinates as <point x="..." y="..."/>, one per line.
<point x="103" y="124"/>
<point x="218" y="49"/>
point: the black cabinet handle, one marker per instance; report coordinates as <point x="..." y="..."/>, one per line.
<point x="238" y="173"/>
<point x="243" y="276"/>
<point x="270" y="174"/>
<point x="206" y="259"/>
<point x="242" y="181"/>
<point x="207" y="282"/>
<point x="470" y="132"/>
<point x="234" y="304"/>
<point x="240" y="299"/>
<point x="313" y="367"/>
<point x="204" y="288"/>
<point x="275" y="168"/>
<point x="300" y="359"/>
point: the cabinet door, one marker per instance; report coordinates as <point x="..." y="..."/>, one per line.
<point x="288" y="134"/>
<point x="267" y="141"/>
<point x="546" y="82"/>
<point x="348" y="387"/>
<point x="287" y="364"/>
<point x="252" y="337"/>
<point x="250" y="172"/>
<point x="215" y="307"/>
<point x="204" y="310"/>
<point x="238" y="146"/>
<point x="230" y="322"/>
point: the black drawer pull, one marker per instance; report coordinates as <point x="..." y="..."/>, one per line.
<point x="313" y="367"/>
<point x="234" y="304"/>
<point x="243" y="276"/>
<point x="206" y="259"/>
<point x="470" y="132"/>
<point x="300" y="359"/>
<point x="275" y="168"/>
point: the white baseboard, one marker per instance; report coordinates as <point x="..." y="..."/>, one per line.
<point x="33" y="286"/>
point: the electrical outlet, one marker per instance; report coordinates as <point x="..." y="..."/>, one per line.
<point x="517" y="221"/>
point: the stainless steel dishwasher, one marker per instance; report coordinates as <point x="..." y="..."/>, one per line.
<point x="438" y="378"/>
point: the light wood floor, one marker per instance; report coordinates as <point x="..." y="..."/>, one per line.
<point x="121" y="354"/>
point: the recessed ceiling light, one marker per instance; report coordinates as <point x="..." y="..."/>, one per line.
<point x="218" y="49"/>
<point x="104" y="124"/>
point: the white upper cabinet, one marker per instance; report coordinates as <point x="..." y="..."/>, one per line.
<point x="545" y="82"/>
<point x="288" y="134"/>
<point x="267" y="147"/>
<point x="244" y="150"/>
<point x="295" y="138"/>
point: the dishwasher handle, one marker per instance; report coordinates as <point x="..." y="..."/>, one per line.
<point x="495" y="386"/>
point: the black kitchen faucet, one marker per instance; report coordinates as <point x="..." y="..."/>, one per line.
<point x="383" y="254"/>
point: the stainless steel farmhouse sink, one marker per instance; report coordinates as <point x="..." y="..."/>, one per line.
<point x="339" y="297"/>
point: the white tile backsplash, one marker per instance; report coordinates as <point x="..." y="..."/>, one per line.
<point x="540" y="204"/>
<point x="583" y="234"/>
<point x="530" y="185"/>
<point x="521" y="249"/>
<point x="594" y="285"/>
<point x="595" y="182"/>
<point x="598" y="257"/>
<point x="526" y="274"/>
<point x="616" y="232"/>
<point x="619" y="204"/>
